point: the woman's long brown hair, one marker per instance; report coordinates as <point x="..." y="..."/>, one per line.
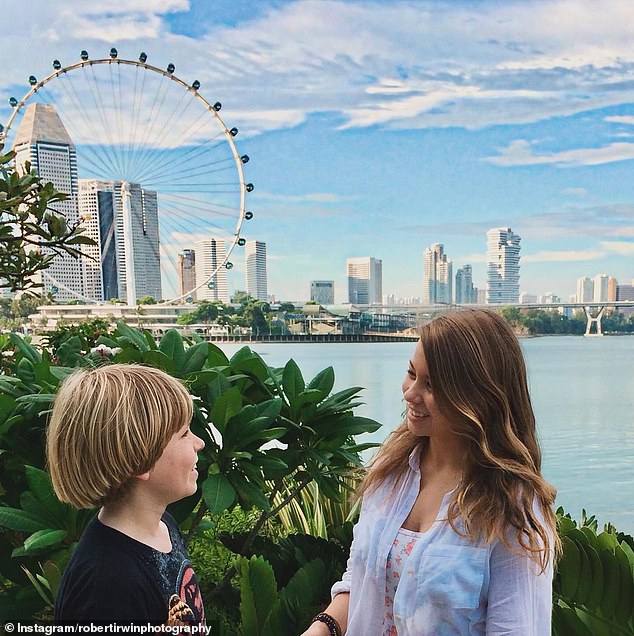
<point x="478" y="378"/>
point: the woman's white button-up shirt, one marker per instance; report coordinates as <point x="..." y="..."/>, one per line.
<point x="459" y="588"/>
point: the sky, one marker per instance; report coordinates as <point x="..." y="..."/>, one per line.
<point x="379" y="128"/>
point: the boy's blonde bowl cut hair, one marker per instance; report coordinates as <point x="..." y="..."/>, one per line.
<point x="108" y="425"/>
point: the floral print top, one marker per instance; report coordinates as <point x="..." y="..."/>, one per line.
<point x="394" y="570"/>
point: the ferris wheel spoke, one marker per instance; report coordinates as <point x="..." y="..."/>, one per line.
<point x="178" y="197"/>
<point x="186" y="211"/>
<point x="137" y="104"/>
<point x="146" y="148"/>
<point x="187" y="173"/>
<point x="98" y="102"/>
<point x="101" y="158"/>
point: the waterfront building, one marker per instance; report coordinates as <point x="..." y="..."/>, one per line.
<point x="548" y="299"/>
<point x="322" y="291"/>
<point x="503" y="270"/>
<point x="625" y="292"/>
<point x="186" y="272"/>
<point x="585" y="289"/>
<point x="481" y="295"/>
<point x="600" y="288"/>
<point x="42" y="140"/>
<point x="365" y="280"/>
<point x="210" y="255"/>
<point x="257" y="284"/>
<point x="612" y="286"/>
<point x="527" y="299"/>
<point x="465" y="291"/>
<point x="437" y="275"/>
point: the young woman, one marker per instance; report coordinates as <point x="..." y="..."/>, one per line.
<point x="457" y="532"/>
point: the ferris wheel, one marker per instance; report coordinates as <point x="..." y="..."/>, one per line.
<point x="151" y="171"/>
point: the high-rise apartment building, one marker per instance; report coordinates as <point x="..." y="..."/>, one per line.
<point x="600" y="282"/>
<point x="257" y="284"/>
<point x="585" y="289"/>
<point x="210" y="254"/>
<point x="365" y="280"/>
<point x="186" y="272"/>
<point x="438" y="275"/>
<point x="322" y="291"/>
<point x="503" y="270"/>
<point x="612" y="289"/>
<point x="42" y="140"/>
<point x="465" y="291"/>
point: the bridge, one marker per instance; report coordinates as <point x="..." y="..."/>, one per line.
<point x="594" y="311"/>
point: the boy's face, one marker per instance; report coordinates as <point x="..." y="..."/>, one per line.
<point x="174" y="474"/>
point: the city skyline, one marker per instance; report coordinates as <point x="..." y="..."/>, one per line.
<point x="467" y="116"/>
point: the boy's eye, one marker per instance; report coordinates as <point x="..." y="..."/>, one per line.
<point x="186" y="433"/>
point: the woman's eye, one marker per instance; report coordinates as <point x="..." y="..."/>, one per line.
<point x="411" y="374"/>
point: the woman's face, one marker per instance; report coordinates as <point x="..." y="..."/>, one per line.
<point x="424" y="417"/>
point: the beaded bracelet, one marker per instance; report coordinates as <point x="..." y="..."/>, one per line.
<point x="330" y="622"/>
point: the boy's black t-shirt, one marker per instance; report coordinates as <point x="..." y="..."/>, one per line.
<point x="112" y="578"/>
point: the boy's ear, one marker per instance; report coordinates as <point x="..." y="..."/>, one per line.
<point x="143" y="476"/>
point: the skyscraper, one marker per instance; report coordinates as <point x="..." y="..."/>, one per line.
<point x="43" y="140"/>
<point x="97" y="216"/>
<point x="365" y="280"/>
<point x="438" y="276"/>
<point x="600" y="288"/>
<point x="210" y="253"/>
<point x="465" y="291"/>
<point x="322" y="291"/>
<point x="186" y="272"/>
<point x="585" y="289"/>
<point x="126" y="243"/>
<point x="257" y="284"/>
<point x="503" y="274"/>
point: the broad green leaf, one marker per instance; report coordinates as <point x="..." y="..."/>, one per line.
<point x="44" y="539"/>
<point x="569" y="567"/>
<point x="258" y="596"/>
<point x="132" y="336"/>
<point x="323" y="382"/>
<point x="624" y="606"/>
<point x="292" y="380"/>
<point x="216" y="357"/>
<point x="611" y="582"/>
<point x="40" y="485"/>
<point x="196" y="357"/>
<point x="246" y="361"/>
<point x="218" y="493"/>
<point x="172" y="346"/>
<point x="584" y="584"/>
<point x="27" y="350"/>
<point x="160" y="360"/>
<point x="225" y="407"/>
<point x="596" y="579"/>
<point x="304" y="588"/>
<point x="26" y="372"/>
<point x="249" y="494"/>
<point x="20" y="521"/>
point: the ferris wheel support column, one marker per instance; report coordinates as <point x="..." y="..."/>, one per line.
<point x="130" y="279"/>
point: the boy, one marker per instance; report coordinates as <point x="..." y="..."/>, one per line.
<point x="119" y="439"/>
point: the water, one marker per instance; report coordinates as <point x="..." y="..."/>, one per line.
<point x="583" y="396"/>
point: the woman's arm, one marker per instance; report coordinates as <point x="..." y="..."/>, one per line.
<point x="520" y="597"/>
<point x="338" y="609"/>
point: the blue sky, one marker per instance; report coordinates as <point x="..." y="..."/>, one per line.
<point x="378" y="128"/>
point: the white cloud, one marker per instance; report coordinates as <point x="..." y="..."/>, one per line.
<point x="520" y="153"/>
<point x="309" y="197"/>
<point x="621" y="119"/>
<point x="623" y="248"/>
<point x="394" y="64"/>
